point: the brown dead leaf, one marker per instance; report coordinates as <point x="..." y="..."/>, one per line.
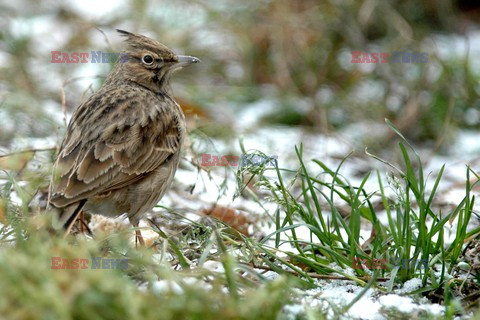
<point x="16" y="161"/>
<point x="233" y="218"/>
<point x="191" y="109"/>
<point x="3" y="211"/>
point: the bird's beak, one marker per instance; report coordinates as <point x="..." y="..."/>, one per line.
<point x="185" y="60"/>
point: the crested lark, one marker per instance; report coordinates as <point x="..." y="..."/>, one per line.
<point x="122" y="145"/>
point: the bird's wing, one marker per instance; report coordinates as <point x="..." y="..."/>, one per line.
<point x="112" y="141"/>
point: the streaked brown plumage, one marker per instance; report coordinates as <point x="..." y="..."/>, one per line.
<point x="122" y="145"/>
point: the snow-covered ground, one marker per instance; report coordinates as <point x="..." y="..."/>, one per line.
<point x="218" y="186"/>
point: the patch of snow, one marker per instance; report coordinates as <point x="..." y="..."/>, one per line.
<point x="162" y="286"/>
<point x="410" y="285"/>
<point x="214" y="266"/>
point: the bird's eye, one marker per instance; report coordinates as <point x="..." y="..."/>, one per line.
<point x="147" y="59"/>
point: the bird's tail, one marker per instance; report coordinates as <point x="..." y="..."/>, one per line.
<point x="73" y="217"/>
<point x="64" y="218"/>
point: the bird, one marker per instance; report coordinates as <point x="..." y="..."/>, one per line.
<point x="122" y="145"/>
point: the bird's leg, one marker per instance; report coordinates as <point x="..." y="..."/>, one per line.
<point x="71" y="221"/>
<point x="138" y="234"/>
<point x="139" y="238"/>
<point x="81" y="218"/>
<point x="83" y="225"/>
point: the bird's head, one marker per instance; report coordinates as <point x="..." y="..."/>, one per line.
<point x="149" y="63"/>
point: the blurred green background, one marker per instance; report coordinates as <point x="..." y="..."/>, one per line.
<point x="296" y="55"/>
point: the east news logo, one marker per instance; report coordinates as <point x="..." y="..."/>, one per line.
<point x="382" y="57"/>
<point x="83" y="263"/>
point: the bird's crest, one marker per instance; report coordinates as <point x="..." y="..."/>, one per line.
<point x="139" y="42"/>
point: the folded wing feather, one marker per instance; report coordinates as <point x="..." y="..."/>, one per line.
<point x="94" y="160"/>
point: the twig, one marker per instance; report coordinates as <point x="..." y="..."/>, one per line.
<point x="321" y="276"/>
<point x="27" y="151"/>
<point x="105" y="37"/>
<point x="64" y="103"/>
<point x="196" y="164"/>
<point x="64" y="100"/>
